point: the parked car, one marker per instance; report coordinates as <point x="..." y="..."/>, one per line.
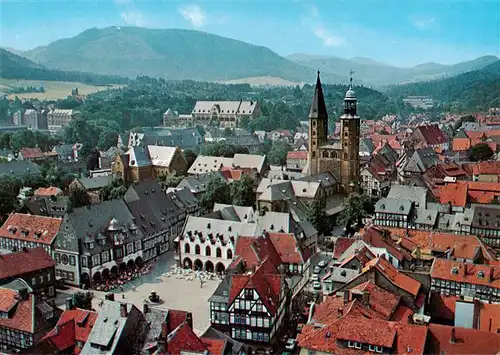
<point x="322" y="263"/>
<point x="317" y="285"/>
<point x="317" y="270"/>
<point x="315" y="277"/>
<point x="291" y="344"/>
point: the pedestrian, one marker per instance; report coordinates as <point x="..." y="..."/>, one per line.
<point x="123" y="296"/>
<point x="121" y="288"/>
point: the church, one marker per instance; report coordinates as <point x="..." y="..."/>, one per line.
<point x="339" y="156"/>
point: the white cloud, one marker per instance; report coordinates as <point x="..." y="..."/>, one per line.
<point x="133" y="17"/>
<point x="193" y="14"/>
<point x="329" y="39"/>
<point x="423" y="23"/>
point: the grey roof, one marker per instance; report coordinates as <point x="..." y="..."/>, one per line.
<point x="341" y="275"/>
<point x="366" y="145"/>
<point x="464" y="314"/>
<point x="487" y="217"/>
<point x="410" y="193"/>
<point x="155" y="318"/>
<point x="233" y="213"/>
<point x="221" y="293"/>
<point x="424" y="216"/>
<point x="422" y="160"/>
<point x="93" y="221"/>
<point x="237" y="348"/>
<point x="19" y="168"/>
<point x="198" y="183"/>
<point x="394" y="206"/>
<point x="152" y="208"/>
<point x="174" y="137"/>
<point x="183" y="198"/>
<point x="96" y="183"/>
<point x="139" y="156"/>
<point x="112" y="332"/>
<point x="326" y="179"/>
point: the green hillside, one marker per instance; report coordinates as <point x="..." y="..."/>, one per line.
<point x="380" y="74"/>
<point x="474" y="90"/>
<point x="13" y="66"/>
<point x="170" y="54"/>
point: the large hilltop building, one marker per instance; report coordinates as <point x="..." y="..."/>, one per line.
<point x="338" y="156"/>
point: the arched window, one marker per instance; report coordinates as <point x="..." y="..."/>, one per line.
<point x="186" y="248"/>
<point x="197" y="249"/>
<point x="325" y="154"/>
<point x="208" y="252"/>
<point x="218" y="253"/>
<point x="229" y="254"/>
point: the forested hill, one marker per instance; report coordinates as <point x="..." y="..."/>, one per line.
<point x="473" y="91"/>
<point x="173" y="54"/>
<point x="13" y="66"/>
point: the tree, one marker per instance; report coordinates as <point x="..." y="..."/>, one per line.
<point x="167" y="181"/>
<point x="228" y="132"/>
<point x="107" y="139"/>
<point x="277" y="154"/>
<point x="216" y="191"/>
<point x="480" y="151"/>
<point x="190" y="156"/>
<point x="114" y="190"/>
<point x="83" y="300"/>
<point x="242" y="191"/>
<point x="356" y="207"/>
<point x="317" y="216"/>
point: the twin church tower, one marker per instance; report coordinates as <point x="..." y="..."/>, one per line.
<point x="340" y="156"/>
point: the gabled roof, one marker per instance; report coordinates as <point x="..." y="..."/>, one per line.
<point x="24" y="262"/>
<point x="375" y="237"/>
<point x="95" y="183"/>
<point x="381" y="301"/>
<point x="253" y="250"/>
<point x="467" y="341"/>
<point x="297" y="155"/>
<point x="48" y="191"/>
<point x="31" y="228"/>
<point x="397" y="278"/>
<point x="31" y="153"/>
<point x="341" y="245"/>
<point x="487" y="275"/>
<point x="431" y="134"/>
<point x="266" y="280"/>
<point x="183" y="339"/>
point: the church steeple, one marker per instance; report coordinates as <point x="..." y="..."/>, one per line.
<point x="318" y="106"/>
<point x="350" y="100"/>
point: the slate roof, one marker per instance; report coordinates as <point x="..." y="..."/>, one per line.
<point x="96" y="182"/>
<point x="410" y="193"/>
<point x="197" y="184"/>
<point x="91" y="221"/>
<point x="393" y="206"/>
<point x="422" y="160"/>
<point x="19" y="168"/>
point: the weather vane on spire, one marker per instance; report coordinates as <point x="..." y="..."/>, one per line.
<point x="350" y="77"/>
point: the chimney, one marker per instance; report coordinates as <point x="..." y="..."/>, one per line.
<point x="465" y="269"/>
<point x="23" y="294"/>
<point x="123" y="310"/>
<point x="164" y="330"/>
<point x="491" y="278"/>
<point x="346" y="297"/>
<point x="189" y="319"/>
<point x="110" y="296"/>
<point x="69" y="303"/>
<point x="489" y="324"/>
<point x="453" y="338"/>
<point x="145" y="308"/>
<point x="366" y="297"/>
<point x="340" y="312"/>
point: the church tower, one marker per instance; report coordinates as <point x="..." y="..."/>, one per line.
<point x="318" y="127"/>
<point x="349" y="130"/>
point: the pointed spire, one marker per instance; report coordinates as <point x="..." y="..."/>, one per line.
<point x="318" y="106"/>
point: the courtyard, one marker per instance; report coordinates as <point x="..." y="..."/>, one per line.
<point x="176" y="291"/>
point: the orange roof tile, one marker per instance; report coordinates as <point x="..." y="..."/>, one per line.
<point x="489" y="317"/>
<point x="24" y="262"/>
<point x="468" y="341"/>
<point x="31" y="153"/>
<point x="456" y="194"/>
<point x="22" y="318"/>
<point x="297" y="155"/>
<point x="402" y="314"/>
<point x="7" y="299"/>
<point x="31" y="228"/>
<point x="215" y="346"/>
<point x="399" y="279"/>
<point x="466" y="272"/>
<point x="380" y="300"/>
<point x="485" y="167"/>
<point x="461" y="144"/>
<point x="48" y="191"/>
<point x="288" y="249"/>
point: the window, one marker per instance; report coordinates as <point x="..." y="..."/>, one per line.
<point x="197" y="250"/>
<point x="84" y="261"/>
<point x="130" y="248"/>
<point x="259" y="322"/>
<point x="64" y="259"/>
<point x="218" y="253"/>
<point x="357" y="345"/>
<point x="51" y="291"/>
<point x="186" y="248"/>
<point x="104" y="256"/>
<point x="49" y="276"/>
<point x="207" y="251"/>
<point x="40" y="278"/>
<point x="57" y="257"/>
<point x="229" y="254"/>
<point x="33" y="281"/>
<point x="311" y="352"/>
<point x="378" y="349"/>
<point x="72" y="260"/>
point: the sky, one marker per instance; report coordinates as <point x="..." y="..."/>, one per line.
<point x="402" y="33"/>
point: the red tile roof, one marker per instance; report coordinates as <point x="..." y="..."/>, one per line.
<point x="25" y="227"/>
<point x="485" y="168"/>
<point x="23" y="262"/>
<point x="467" y="341"/>
<point x="31" y="153"/>
<point x="432" y="134"/>
<point x="461" y="144"/>
<point x="288" y="249"/>
<point x="48" y="191"/>
<point x="466" y="273"/>
<point x="380" y="300"/>
<point x="266" y="280"/>
<point x="252" y="251"/>
<point x="297" y="155"/>
<point x="175" y="318"/>
<point x="456" y="194"/>
<point x="402" y="314"/>
<point x="400" y="337"/>
<point x="489" y="317"/>
<point x="215" y="346"/>
<point x="62" y="336"/>
<point x="363" y="256"/>
<point x="183" y="339"/>
<point x="22" y="318"/>
<point x="341" y="245"/>
<point x="374" y="236"/>
<point x="399" y="279"/>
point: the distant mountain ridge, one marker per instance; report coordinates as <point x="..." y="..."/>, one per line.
<point x="381" y="74"/>
<point x="172" y="54"/>
<point x="14" y="66"/>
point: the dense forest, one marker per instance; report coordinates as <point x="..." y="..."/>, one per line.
<point x="472" y="91"/>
